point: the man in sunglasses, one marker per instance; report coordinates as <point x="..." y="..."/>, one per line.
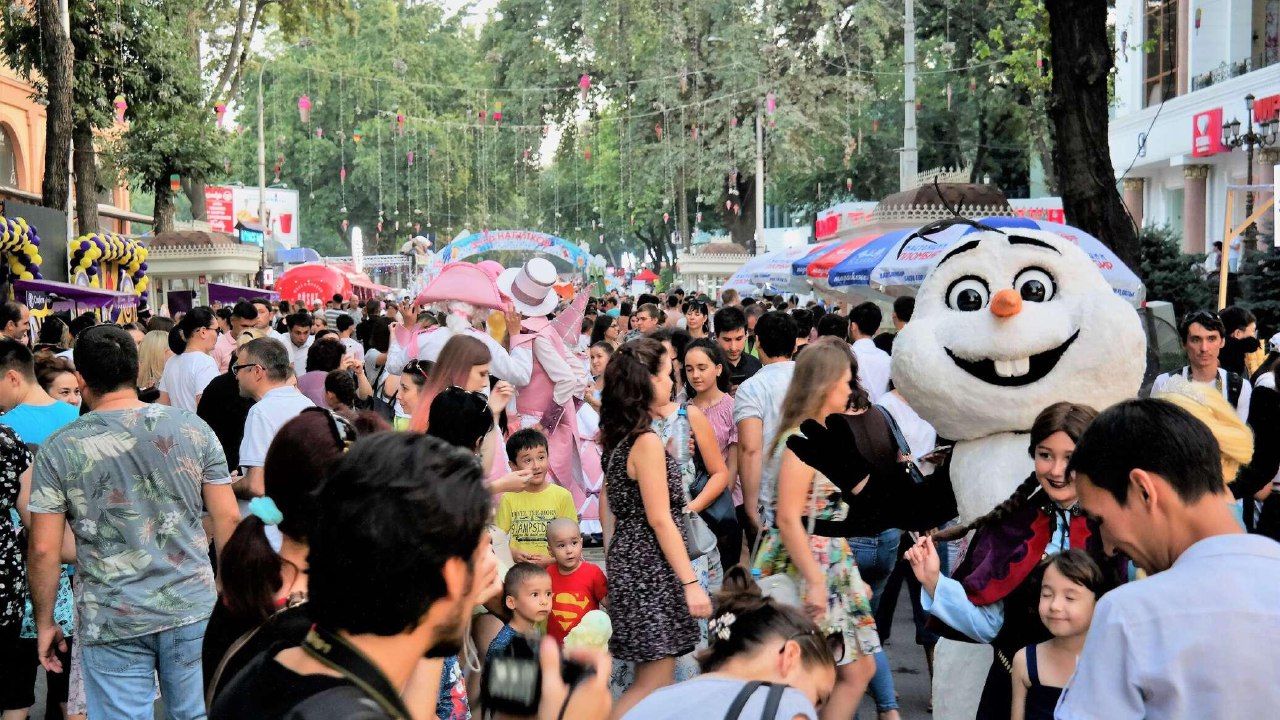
<point x="1203" y="334"/>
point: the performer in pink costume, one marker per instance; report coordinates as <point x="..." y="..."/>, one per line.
<point x="557" y="382"/>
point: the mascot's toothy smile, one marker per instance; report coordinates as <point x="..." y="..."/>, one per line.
<point x="1014" y="373"/>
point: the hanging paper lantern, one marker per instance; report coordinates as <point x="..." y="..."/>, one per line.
<point x="356" y="136"/>
<point x="409" y="157"/>
<point x="497" y="112"/>
<point x="526" y="154"/>
<point x="121" y="106"/>
<point x="684" y="84"/>
<point x="379" y="225"/>
<point x="973" y="85"/>
<point x="875" y="125"/>
<point x="175" y="182"/>
<point x="319" y="133"/>
<point x="770" y="102"/>
<point x="584" y="84"/>
<point x="304" y="108"/>
<point x="737" y="209"/>
<point x="733" y="122"/>
<point x="342" y="174"/>
<point x="698" y="217"/>
<point x="221" y="111"/>
<point x="483" y="116"/>
<point x="728" y="205"/>
<point x="587" y="154"/>
<point x="226" y="165"/>
<point x="695" y="132"/>
<point x="848" y="184"/>
<point x="345" y="224"/>
<point x="657" y="130"/>
<point x="666" y="217"/>
<point x="400" y="123"/>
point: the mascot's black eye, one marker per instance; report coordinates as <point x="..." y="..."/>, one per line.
<point x="1035" y="285"/>
<point x="968" y="294"/>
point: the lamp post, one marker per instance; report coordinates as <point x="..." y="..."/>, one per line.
<point x="1257" y="134"/>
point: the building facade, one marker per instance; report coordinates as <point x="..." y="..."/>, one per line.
<point x="1183" y="71"/>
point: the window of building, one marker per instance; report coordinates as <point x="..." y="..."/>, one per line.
<point x="1162" y="51"/>
<point x="1266" y="33"/>
<point x="8" y="160"/>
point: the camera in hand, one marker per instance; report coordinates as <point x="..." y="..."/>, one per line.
<point x="512" y="682"/>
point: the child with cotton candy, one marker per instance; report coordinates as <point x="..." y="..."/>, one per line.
<point x="577" y="587"/>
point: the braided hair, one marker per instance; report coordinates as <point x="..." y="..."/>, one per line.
<point x="1065" y="417"/>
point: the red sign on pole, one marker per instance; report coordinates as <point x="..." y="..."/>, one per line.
<point x="219" y="209"/>
<point x="1206" y="133"/>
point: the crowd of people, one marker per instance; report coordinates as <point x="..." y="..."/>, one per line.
<point x="379" y="509"/>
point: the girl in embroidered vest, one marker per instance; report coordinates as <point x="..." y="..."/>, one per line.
<point x="993" y="596"/>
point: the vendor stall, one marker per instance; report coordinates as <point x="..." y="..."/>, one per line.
<point x="231" y="294"/>
<point x="45" y="297"/>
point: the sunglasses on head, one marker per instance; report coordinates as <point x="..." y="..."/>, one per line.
<point x="418" y="367"/>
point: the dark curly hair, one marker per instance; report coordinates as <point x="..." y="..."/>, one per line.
<point x="628" y="391"/>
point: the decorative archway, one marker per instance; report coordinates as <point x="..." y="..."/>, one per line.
<point x="518" y="241"/>
<point x="109" y="261"/>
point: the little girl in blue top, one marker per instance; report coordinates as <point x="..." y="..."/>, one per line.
<point x="1068" y="593"/>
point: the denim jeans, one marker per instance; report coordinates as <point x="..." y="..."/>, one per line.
<point x="876" y="555"/>
<point x="120" y="677"/>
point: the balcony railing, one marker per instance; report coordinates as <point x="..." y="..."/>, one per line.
<point x="1222" y="73"/>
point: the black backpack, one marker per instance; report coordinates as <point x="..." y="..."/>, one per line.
<point x="1235" y="383"/>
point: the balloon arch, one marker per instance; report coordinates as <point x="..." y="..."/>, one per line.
<point x="518" y="241"/>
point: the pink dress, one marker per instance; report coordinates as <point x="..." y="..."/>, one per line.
<point x="720" y="415"/>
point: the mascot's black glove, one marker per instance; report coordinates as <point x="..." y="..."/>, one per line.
<point x="832" y="451"/>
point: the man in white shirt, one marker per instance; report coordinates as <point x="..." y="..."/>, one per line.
<point x="346" y="327"/>
<point x="297" y="340"/>
<point x="873" y="363"/>
<point x="757" y="410"/>
<point x="1203" y="336"/>
<point x="262" y="370"/>
<point x="1199" y="637"/>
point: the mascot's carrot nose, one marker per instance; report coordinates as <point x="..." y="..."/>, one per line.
<point x="1006" y="303"/>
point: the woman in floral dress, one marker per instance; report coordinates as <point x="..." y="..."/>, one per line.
<point x="821" y="563"/>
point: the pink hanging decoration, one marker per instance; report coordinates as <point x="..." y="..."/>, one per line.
<point x="278" y="167"/>
<point x="121" y="106"/>
<point x="666" y="217"/>
<point x="319" y="133"/>
<point x="221" y="111"/>
<point x="587" y="154"/>
<point x="657" y="130"/>
<point x="409" y="157"/>
<point x="770" y="103"/>
<point x="526" y="154"/>
<point x="342" y="174"/>
<point x="848" y="184"/>
<point x="584" y="84"/>
<point x="497" y="112"/>
<point x="698" y="217"/>
<point x="728" y="205"/>
<point x="304" y="108"/>
<point x="545" y="130"/>
<point x="379" y="226"/>
<point x="695" y="132"/>
<point x="875" y="125"/>
<point x="737" y="209"/>
<point x="483" y="116"/>
<point x="733" y="122"/>
<point x="973" y="85"/>
<point x="345" y="224"/>
<point x="400" y="123"/>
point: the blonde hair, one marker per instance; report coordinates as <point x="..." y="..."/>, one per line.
<point x="818" y="369"/>
<point x="152" y="354"/>
<point x="1205" y="402"/>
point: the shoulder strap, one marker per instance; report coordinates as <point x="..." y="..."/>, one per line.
<point x="1235" y="383"/>
<point x="898" y="437"/>
<point x="1033" y="669"/>
<point x="740" y="701"/>
<point x="772" y="702"/>
<point x="344" y="701"/>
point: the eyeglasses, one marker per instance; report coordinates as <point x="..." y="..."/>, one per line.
<point x="235" y="369"/>
<point x="834" y="641"/>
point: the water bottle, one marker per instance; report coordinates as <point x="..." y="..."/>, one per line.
<point x="756" y="574"/>
<point x="680" y="436"/>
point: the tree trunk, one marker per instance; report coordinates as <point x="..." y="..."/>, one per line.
<point x="742" y="228"/>
<point x="86" y="167"/>
<point x="58" y="54"/>
<point x="1081" y="61"/>
<point x="164" y="210"/>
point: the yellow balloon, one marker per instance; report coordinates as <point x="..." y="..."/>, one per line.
<point x="37" y="259"/>
<point x="26" y="276"/>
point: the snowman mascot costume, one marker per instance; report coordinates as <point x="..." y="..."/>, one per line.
<point x="1007" y="323"/>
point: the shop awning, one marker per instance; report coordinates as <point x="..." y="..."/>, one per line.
<point x="38" y="294"/>
<point x="228" y="294"/>
<point x="312" y="283"/>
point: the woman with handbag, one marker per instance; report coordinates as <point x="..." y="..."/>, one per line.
<point x="654" y="594"/>
<point x="707" y="375"/>
<point x="806" y="555"/>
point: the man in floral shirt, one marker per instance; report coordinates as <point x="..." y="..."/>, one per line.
<point x="132" y="480"/>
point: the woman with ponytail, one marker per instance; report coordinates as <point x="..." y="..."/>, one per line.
<point x="192" y="366"/>
<point x="754" y="641"/>
<point x="259" y="581"/>
<point x="993" y="596"/>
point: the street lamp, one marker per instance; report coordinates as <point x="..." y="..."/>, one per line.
<point x="1263" y="137"/>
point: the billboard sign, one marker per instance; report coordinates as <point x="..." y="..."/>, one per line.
<point x="227" y="206"/>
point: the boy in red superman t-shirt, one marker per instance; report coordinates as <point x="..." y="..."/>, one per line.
<point x="577" y="586"/>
